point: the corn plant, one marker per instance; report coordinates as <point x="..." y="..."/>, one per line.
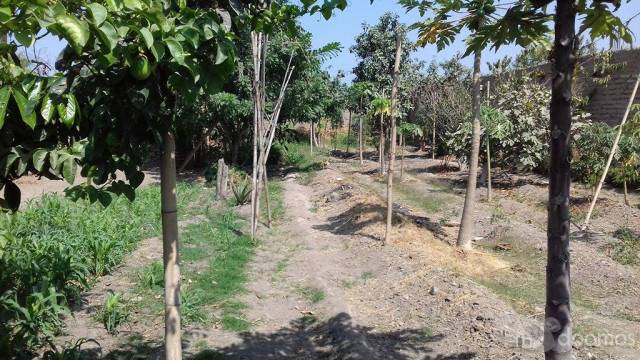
<point x="114" y="312"/>
<point x="152" y="276"/>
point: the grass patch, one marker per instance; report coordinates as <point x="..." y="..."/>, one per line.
<point x="626" y="248"/>
<point x="367" y="275"/>
<point x="281" y="266"/>
<point x="312" y="294"/>
<point x="276" y="202"/>
<point x="297" y="156"/>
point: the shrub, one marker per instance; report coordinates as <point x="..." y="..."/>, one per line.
<point x="591" y="147"/>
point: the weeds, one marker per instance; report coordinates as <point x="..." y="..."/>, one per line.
<point x="312" y="294"/>
<point x="114" y="312"/>
<point x="626" y="250"/>
<point x="152" y="276"/>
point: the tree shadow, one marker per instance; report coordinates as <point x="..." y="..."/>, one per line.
<point x="354" y="220"/>
<point x="335" y="338"/>
<point x="303" y="338"/>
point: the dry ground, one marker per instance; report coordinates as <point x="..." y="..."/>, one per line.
<point x="323" y="285"/>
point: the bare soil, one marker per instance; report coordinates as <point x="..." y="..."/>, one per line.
<point x="323" y="285"/>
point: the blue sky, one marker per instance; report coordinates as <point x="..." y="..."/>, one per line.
<point x="346" y="25"/>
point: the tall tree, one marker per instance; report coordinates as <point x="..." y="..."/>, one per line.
<point x="392" y="157"/>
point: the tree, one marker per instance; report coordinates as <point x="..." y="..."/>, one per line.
<point x="442" y="30"/>
<point x="381" y="106"/>
<point x="116" y="94"/>
<point x="392" y="157"/>
<point x="359" y="95"/>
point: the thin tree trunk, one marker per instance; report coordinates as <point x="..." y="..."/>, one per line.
<point x="349" y="132"/>
<point x="433" y="141"/>
<point x="626" y="194"/>
<point x="612" y="153"/>
<point x="360" y="139"/>
<point x="466" y="224"/>
<point x="311" y="138"/>
<point x="557" y="334"/>
<point x="489" y="191"/>
<point x="401" y="156"/>
<point x="170" y="256"/>
<point x="381" y="147"/>
<point x="266" y="197"/>
<point x="392" y="138"/>
<point x="257" y="51"/>
<point x="193" y="151"/>
<point x="489" y="180"/>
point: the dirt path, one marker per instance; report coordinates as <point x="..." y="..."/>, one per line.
<point x="322" y="284"/>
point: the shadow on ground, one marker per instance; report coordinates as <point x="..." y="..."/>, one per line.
<point x="360" y="216"/>
<point x="307" y="338"/>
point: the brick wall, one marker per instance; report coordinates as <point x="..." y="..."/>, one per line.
<point x="608" y="103"/>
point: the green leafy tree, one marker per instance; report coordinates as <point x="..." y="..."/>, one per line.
<point x="381" y="106"/>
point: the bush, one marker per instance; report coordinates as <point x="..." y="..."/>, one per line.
<point x="591" y="147"/>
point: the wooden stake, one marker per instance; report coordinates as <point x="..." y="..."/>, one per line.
<point x="170" y="256"/>
<point x="612" y="153"/>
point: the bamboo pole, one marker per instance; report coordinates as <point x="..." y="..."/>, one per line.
<point x="392" y="138"/>
<point x="170" y="256"/>
<point x="614" y="148"/>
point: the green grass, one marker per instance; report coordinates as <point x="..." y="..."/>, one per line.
<point x="626" y="248"/>
<point x="276" y="202"/>
<point x="281" y="266"/>
<point x="215" y="255"/>
<point x="297" y="156"/>
<point x="311" y="294"/>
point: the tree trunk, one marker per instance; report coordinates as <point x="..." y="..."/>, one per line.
<point x="557" y="334"/>
<point x="170" y="256"/>
<point x="466" y="224"/>
<point x="612" y="153"/>
<point x="266" y="197"/>
<point x="311" y="138"/>
<point x="489" y="192"/>
<point x="489" y="180"/>
<point x="626" y="194"/>
<point x="360" y="145"/>
<point x="392" y="138"/>
<point x="433" y="141"/>
<point x="349" y="132"/>
<point x="193" y="151"/>
<point x="401" y="156"/>
<point x="381" y="147"/>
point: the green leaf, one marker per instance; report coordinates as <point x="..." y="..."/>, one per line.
<point x="8" y="161"/>
<point x="27" y="39"/>
<point x="108" y="35"/>
<point x="47" y="109"/>
<point x="5" y="93"/>
<point x="133" y="4"/>
<point x="114" y="5"/>
<point x="98" y="12"/>
<point x="39" y="159"/>
<point x="67" y="110"/>
<point x="69" y="168"/>
<point x="104" y="198"/>
<point x="12" y="195"/>
<point x="75" y="31"/>
<point x="5" y="14"/>
<point x="136" y="179"/>
<point x="148" y="37"/>
<point x="25" y="108"/>
<point x="176" y="50"/>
